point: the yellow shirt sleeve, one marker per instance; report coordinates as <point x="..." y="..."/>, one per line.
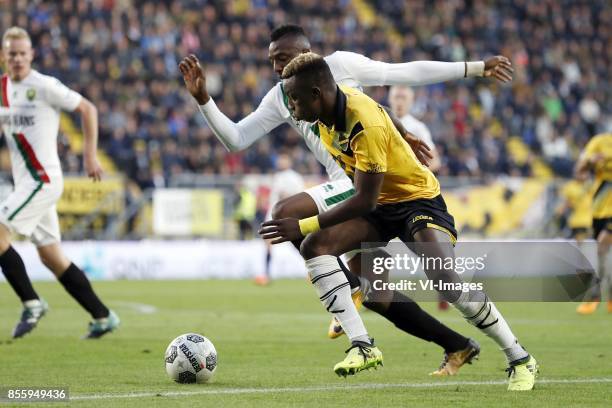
<point x="370" y="150"/>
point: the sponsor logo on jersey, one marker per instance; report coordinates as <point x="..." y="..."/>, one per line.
<point x="17" y="120"/>
<point x="422" y="217"/>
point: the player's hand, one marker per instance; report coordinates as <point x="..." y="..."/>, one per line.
<point x="93" y="168"/>
<point x="195" y="78"/>
<point x="420" y="148"/>
<point x="285" y="229"/>
<point x="499" y="67"/>
<point x="596" y="160"/>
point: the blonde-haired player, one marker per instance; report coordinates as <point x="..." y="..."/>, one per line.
<point x="29" y="114"/>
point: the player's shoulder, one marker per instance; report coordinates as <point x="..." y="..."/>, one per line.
<point x="599" y="140"/>
<point x="40" y="79"/>
<point x="361" y="108"/>
<point x="277" y="99"/>
<point x="45" y="83"/>
<point x="340" y="56"/>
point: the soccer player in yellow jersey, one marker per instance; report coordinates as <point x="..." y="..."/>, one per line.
<point x="597" y="158"/>
<point x="576" y="204"/>
<point x="395" y="196"/>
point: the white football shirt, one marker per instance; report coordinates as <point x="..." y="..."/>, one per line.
<point x="285" y="184"/>
<point x="30" y="117"/>
<point x="418" y="128"/>
<point x="347" y="68"/>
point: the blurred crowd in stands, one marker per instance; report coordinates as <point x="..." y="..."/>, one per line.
<point x="123" y="55"/>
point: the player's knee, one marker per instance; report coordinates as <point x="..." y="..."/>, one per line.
<point x="281" y="209"/>
<point x="604" y="240"/>
<point x="5" y="239"/>
<point x="46" y="260"/>
<point x="312" y="246"/>
<point x="55" y="262"/>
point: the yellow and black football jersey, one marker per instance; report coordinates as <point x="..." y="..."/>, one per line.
<point x="578" y="196"/>
<point x="363" y="137"/>
<point x="601" y="145"/>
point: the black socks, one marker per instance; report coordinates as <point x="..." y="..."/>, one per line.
<point x="76" y="283"/>
<point x="15" y="273"/>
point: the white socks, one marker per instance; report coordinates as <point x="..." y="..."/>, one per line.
<point x="483" y="314"/>
<point x="335" y="294"/>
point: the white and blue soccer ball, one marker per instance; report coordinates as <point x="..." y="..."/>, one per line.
<point x="191" y="358"/>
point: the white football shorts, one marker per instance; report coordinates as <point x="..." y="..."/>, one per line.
<point x="327" y="195"/>
<point x="30" y="210"/>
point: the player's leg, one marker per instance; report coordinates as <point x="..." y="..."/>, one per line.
<point x="300" y="205"/>
<point x="593" y="297"/>
<point x="604" y="241"/>
<point x="312" y="202"/>
<point x="264" y="280"/>
<point x="46" y="237"/>
<point x="476" y="307"/>
<point x="14" y="271"/>
<point x="320" y="251"/>
<point x="19" y="214"/>
<point x="408" y="316"/>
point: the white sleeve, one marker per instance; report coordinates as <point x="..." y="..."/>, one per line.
<point x="426" y="136"/>
<point x="376" y="73"/>
<point x="60" y="96"/>
<point x="238" y="136"/>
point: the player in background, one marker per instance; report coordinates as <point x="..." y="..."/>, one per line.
<point x="285" y="183"/>
<point x="575" y="208"/>
<point x="596" y="158"/>
<point x="395" y="196"/>
<point x="401" y="100"/>
<point x="356" y="70"/>
<point x="30" y="113"/>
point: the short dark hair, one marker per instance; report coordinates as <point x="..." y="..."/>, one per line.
<point x="310" y="64"/>
<point x="287" y="29"/>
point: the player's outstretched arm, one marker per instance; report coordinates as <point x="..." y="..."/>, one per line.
<point x="89" y="122"/>
<point x="498" y="67"/>
<point x="367" y="189"/>
<point x="376" y="73"/>
<point x="234" y="136"/>
<point x="195" y="78"/>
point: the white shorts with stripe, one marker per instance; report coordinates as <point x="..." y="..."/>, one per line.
<point x="328" y="195"/>
<point x="30" y="210"/>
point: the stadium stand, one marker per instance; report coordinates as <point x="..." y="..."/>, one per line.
<point x="123" y="55"/>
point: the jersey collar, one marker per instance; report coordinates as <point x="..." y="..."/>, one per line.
<point x="340" y="114"/>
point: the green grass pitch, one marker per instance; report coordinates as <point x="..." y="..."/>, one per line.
<point x="273" y="351"/>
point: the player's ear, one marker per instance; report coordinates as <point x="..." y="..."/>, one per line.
<point x="316" y="92"/>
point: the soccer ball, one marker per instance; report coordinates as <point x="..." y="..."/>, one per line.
<point x="191" y="358"/>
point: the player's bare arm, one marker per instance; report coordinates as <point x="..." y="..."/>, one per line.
<point x="195" y="78"/>
<point x="367" y="189"/>
<point x="585" y="164"/>
<point x="89" y="119"/>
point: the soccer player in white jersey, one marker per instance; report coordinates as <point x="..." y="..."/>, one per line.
<point x="401" y="99"/>
<point x="31" y="104"/>
<point x="285" y="183"/>
<point x="354" y="70"/>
